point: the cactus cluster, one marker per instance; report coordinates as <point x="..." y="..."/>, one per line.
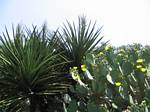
<point x="121" y="81"/>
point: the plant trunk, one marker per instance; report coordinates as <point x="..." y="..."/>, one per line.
<point x="55" y="104"/>
<point x="33" y="103"/>
<point x="49" y="104"/>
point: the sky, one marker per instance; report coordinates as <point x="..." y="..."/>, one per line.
<point x="124" y="21"/>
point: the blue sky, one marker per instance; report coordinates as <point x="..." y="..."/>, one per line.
<point x="124" y="21"/>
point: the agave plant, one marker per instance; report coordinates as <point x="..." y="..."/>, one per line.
<point x="30" y="70"/>
<point x="79" y="40"/>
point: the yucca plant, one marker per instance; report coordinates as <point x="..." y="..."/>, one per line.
<point x="77" y="41"/>
<point x="31" y="71"/>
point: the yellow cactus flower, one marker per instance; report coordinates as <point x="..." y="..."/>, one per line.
<point x="83" y="68"/>
<point x="140" y="61"/>
<point x="139" y="66"/>
<point x="143" y="70"/>
<point x="75" y="68"/>
<point x="135" y="49"/>
<point x="101" y="54"/>
<point x="121" y="50"/>
<point x="138" y="51"/>
<point x="118" y="84"/>
<point x="120" y="54"/>
<point x="108" y="47"/>
<point x="75" y="76"/>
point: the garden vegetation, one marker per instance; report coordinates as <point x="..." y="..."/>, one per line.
<point x="71" y="70"/>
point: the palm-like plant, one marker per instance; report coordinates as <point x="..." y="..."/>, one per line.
<point x="30" y="70"/>
<point x="77" y="41"/>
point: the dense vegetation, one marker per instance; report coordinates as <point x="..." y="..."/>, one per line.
<point x="72" y="71"/>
